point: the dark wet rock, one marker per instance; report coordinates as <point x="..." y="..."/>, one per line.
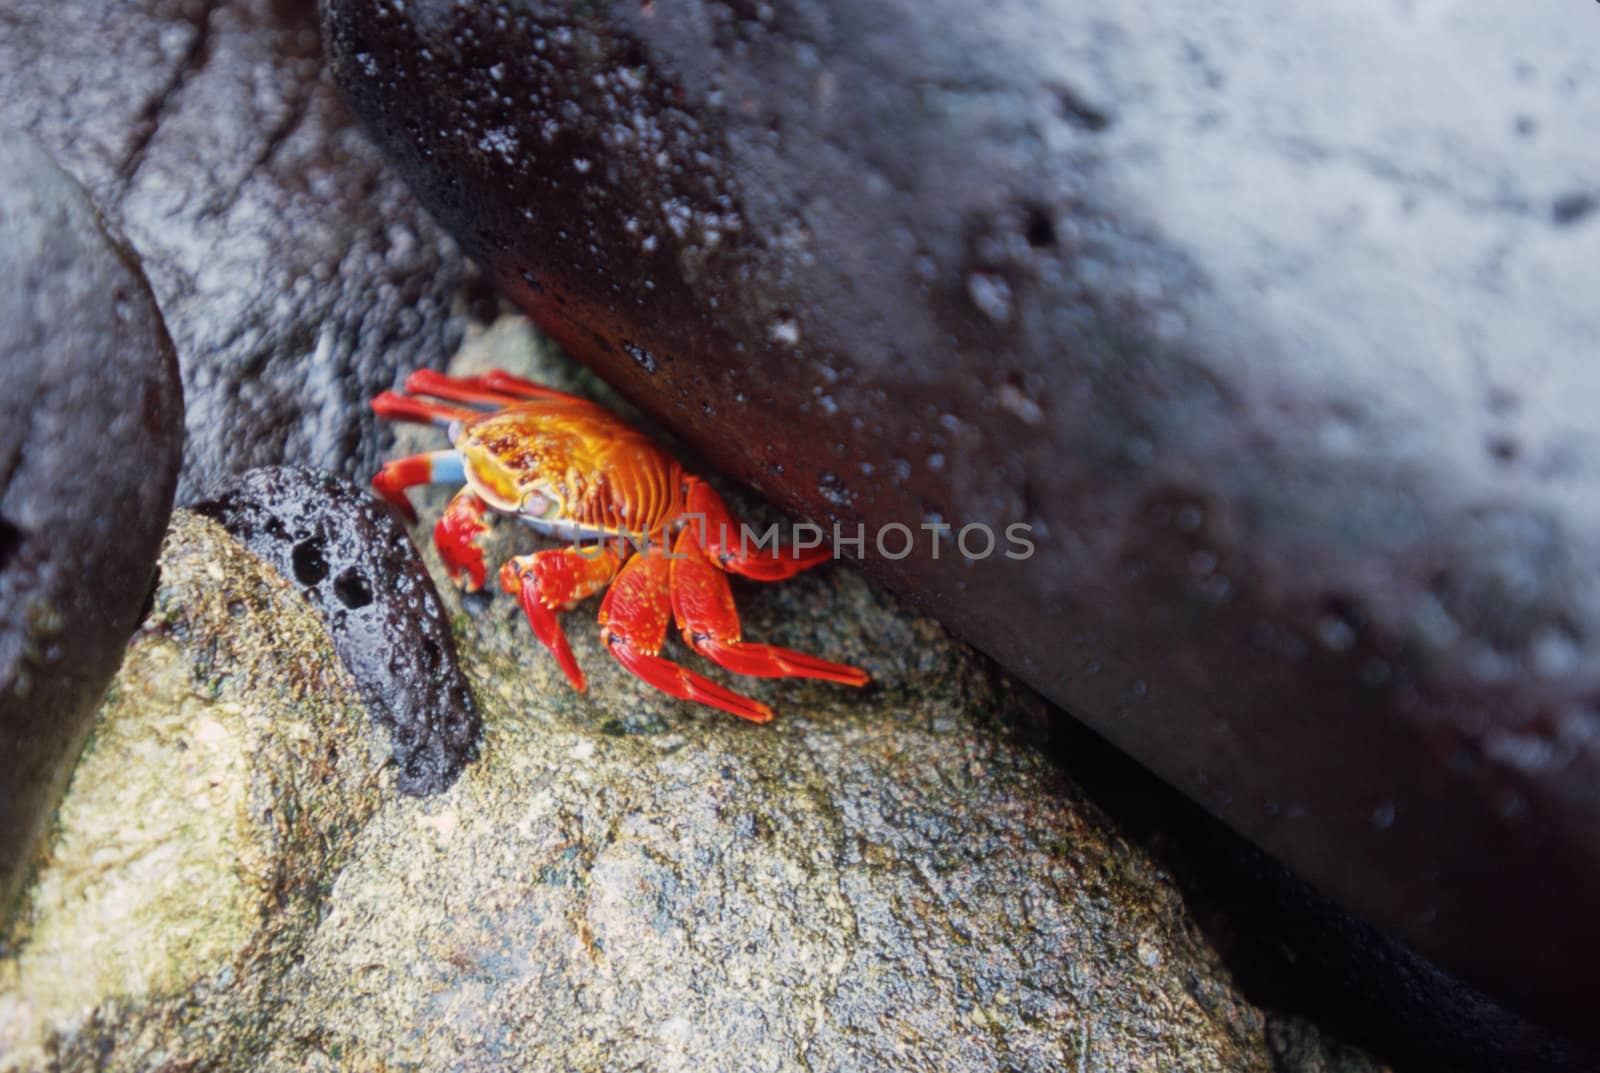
<point x="297" y="275"/>
<point x="878" y="880"/>
<point x="346" y="553"/>
<point x="91" y="431"/>
<point x="1283" y="351"/>
<point x="1291" y="947"/>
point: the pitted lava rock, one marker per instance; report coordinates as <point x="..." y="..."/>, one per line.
<point x="356" y="565"/>
<point x="296" y="273"/>
<point x="1283" y="350"/>
<point x="91" y="434"/>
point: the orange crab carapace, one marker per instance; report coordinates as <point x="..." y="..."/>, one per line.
<point x="633" y="519"/>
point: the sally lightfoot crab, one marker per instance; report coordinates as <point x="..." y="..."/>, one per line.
<point x="661" y="538"/>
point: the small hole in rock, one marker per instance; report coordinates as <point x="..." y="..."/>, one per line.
<point x="1339" y="622"/>
<point x="1079" y="112"/>
<point x="10" y="542"/>
<point x="1502" y="448"/>
<point x="1570" y="208"/>
<point x="1041" y="229"/>
<point x="430" y="654"/>
<point x="310" y="568"/>
<point x="352" y="590"/>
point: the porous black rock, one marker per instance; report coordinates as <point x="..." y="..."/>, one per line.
<point x="297" y="274"/>
<point x="354" y="562"/>
<point x="1274" y="325"/>
<point x="91" y="432"/>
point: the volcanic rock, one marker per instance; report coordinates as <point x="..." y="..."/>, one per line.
<point x="297" y="274"/>
<point x="349" y="556"/>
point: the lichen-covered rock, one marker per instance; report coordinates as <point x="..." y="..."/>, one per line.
<point x="230" y="770"/>
<point x="295" y="271"/>
<point x="91" y="430"/>
<point x="1275" y="323"/>
<point x="352" y="560"/>
<point x="878" y="880"/>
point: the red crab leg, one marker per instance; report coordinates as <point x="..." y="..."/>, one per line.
<point x="500" y="380"/>
<point x="431" y="468"/>
<point x="458" y="535"/>
<point x="726" y="543"/>
<point x="455" y="388"/>
<point x="555" y="580"/>
<point x="703" y="606"/>
<point x="495" y="388"/>
<point x="396" y="407"/>
<point x="633" y="621"/>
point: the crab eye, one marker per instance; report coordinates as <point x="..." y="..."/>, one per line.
<point x="538" y="504"/>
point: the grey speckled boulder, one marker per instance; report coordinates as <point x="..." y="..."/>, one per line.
<point x="1276" y="322"/>
<point x="91" y="428"/>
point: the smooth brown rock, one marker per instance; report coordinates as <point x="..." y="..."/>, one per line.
<point x="1275" y="325"/>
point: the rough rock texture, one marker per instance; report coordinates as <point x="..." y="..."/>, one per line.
<point x="296" y="273"/>
<point x="1290" y="947"/>
<point x="1274" y="323"/>
<point x="91" y="429"/>
<point x="229" y="774"/>
<point x="884" y="880"/>
<point x="352" y="559"/>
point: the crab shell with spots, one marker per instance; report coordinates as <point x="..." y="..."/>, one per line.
<point x="660" y="538"/>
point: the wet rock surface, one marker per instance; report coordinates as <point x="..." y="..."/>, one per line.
<point x="91" y="429"/>
<point x="229" y="774"/>
<point x="1283" y="352"/>
<point x="1291" y="947"/>
<point x="296" y="273"/>
<point x="886" y="880"/>
<point x="346" y="553"/>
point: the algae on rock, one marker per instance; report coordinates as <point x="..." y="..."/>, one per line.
<point x="227" y="773"/>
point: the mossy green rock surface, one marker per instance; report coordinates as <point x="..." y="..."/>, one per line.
<point x="227" y="774"/>
<point x="880" y="879"/>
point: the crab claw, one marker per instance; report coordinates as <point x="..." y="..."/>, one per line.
<point x="546" y="626"/>
<point x="548" y="582"/>
<point x="457" y="536"/>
